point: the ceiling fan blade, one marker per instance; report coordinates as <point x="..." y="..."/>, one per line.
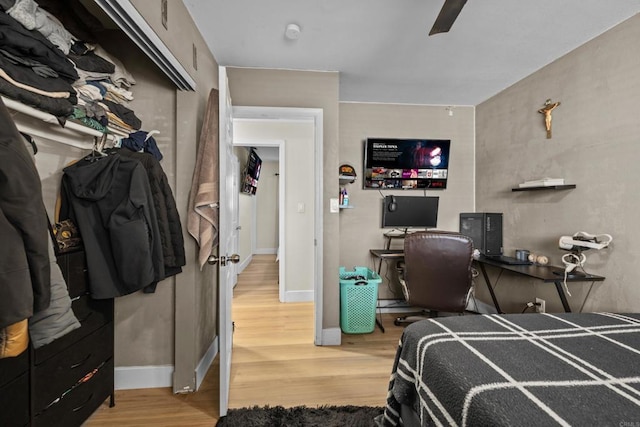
<point x="447" y="16"/>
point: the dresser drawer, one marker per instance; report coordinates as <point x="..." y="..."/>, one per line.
<point x="59" y="373"/>
<point x="78" y="405"/>
<point x="74" y="269"/>
<point x="12" y="367"/>
<point x="14" y="402"/>
<point x="91" y="313"/>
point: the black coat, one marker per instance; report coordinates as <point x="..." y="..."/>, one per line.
<point x="24" y="235"/>
<point x="109" y="199"/>
<point x="166" y="211"/>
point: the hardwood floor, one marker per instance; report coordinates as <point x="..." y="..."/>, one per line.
<point x="274" y="363"/>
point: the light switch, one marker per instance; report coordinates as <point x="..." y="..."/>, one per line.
<point x="300" y="207"/>
<point x="334" y="207"/>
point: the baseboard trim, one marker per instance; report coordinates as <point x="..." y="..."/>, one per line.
<point x="132" y="377"/>
<point x="206" y="361"/>
<point x="244" y="263"/>
<point x="266" y="251"/>
<point x="331" y="336"/>
<point x="395" y="306"/>
<point x="159" y="376"/>
<point x="298" y="296"/>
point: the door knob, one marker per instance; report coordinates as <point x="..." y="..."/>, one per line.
<point x="213" y="260"/>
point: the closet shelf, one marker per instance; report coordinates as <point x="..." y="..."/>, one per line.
<point x="66" y="135"/>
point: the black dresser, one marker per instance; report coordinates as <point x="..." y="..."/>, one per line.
<point x="14" y="390"/>
<point x="64" y="382"/>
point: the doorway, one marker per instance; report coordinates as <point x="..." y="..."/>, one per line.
<point x="276" y="152"/>
<point x="311" y="205"/>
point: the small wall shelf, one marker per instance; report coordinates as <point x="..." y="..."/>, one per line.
<point x="346" y="207"/>
<point x="546" y="187"/>
<point x="346" y="179"/>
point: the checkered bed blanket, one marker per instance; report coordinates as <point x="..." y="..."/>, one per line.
<point x="519" y="369"/>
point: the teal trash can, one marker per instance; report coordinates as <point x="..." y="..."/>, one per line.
<point x="358" y="299"/>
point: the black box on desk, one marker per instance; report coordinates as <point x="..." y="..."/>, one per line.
<point x="485" y="229"/>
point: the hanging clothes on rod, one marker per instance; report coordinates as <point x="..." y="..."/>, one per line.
<point x="169" y="222"/>
<point x="110" y="201"/>
<point x="24" y="257"/>
<point x="142" y="141"/>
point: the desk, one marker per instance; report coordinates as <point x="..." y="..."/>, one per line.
<point x="387" y="252"/>
<point x="546" y="273"/>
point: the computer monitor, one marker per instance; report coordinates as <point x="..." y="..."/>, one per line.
<point x="410" y="212"/>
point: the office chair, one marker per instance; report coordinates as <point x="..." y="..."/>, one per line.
<point x="437" y="275"/>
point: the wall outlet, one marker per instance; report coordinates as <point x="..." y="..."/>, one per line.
<point x="540" y="306"/>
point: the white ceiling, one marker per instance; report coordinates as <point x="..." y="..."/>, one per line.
<point x="382" y="49"/>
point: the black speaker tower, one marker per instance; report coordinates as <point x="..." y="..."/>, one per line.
<point x="485" y="229"/>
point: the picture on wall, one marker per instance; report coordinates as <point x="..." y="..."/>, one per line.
<point x="249" y="184"/>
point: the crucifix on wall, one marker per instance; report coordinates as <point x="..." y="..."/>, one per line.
<point x="549" y="106"/>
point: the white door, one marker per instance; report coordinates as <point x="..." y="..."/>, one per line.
<point x="226" y="234"/>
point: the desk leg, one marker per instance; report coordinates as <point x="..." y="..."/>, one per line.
<point x="493" y="295"/>
<point x="386" y="246"/>
<point x="562" y="296"/>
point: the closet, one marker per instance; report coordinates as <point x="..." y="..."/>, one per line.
<point x="35" y="379"/>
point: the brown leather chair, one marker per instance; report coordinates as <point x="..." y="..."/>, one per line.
<point x="437" y="275"/>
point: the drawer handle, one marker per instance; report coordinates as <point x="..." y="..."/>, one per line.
<point x="75" y="365"/>
<point x="76" y="409"/>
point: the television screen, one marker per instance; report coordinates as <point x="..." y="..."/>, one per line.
<point x="410" y="212"/>
<point x="249" y="183"/>
<point x="406" y="163"/>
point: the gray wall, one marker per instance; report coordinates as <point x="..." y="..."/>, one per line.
<point x="360" y="227"/>
<point x="594" y="145"/>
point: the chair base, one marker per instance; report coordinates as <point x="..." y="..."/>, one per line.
<point x="414" y="317"/>
<point x="474" y="306"/>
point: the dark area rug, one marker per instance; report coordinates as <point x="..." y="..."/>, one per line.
<point x="301" y="416"/>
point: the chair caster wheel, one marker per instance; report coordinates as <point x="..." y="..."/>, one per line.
<point x="397" y="322"/>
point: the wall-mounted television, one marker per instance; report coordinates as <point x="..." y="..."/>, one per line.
<point x="410" y="212"/>
<point x="249" y="184"/>
<point x="406" y="163"/>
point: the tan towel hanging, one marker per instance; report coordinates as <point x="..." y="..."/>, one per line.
<point x="202" y="217"/>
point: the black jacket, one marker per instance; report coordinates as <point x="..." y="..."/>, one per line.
<point x="24" y="235"/>
<point x="166" y="211"/>
<point x="109" y="198"/>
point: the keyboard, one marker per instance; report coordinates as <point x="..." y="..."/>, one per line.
<point x="503" y="259"/>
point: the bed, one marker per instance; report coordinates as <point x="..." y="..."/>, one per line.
<point x="517" y="369"/>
